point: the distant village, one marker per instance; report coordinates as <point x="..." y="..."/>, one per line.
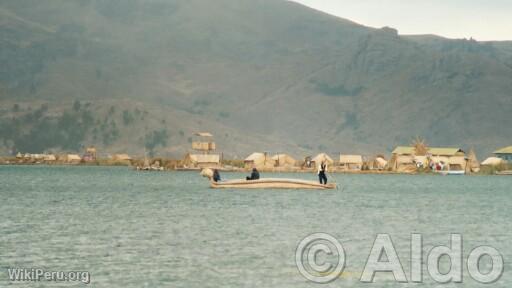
<point x="415" y="158"/>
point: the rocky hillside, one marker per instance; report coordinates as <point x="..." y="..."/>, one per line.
<point x="266" y="75"/>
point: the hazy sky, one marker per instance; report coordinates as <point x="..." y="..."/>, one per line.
<point x="480" y="19"/>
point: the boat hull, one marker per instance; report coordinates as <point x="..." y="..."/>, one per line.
<point x="272" y="183"/>
<point x="508" y="172"/>
<point x="452" y="172"/>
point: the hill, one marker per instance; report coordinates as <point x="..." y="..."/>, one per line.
<point x="264" y="75"/>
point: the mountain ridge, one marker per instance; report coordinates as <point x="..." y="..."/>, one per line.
<point x="271" y="75"/>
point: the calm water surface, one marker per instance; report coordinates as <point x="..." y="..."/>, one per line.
<point x="131" y="229"/>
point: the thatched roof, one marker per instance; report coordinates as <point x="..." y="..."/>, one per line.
<point x="404" y="159"/>
<point x="381" y="161"/>
<point x="351" y="159"/>
<point x="445" y="151"/>
<point x="506" y="150"/>
<point x="492" y="161"/>
<point x="122" y="157"/>
<point x="438" y="159"/>
<point x="404" y="150"/>
<point x="73" y="157"/>
<point x="322" y="157"/>
<point x="439" y="151"/>
<point x="255" y="156"/>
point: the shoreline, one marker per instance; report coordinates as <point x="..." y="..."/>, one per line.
<point x="106" y="163"/>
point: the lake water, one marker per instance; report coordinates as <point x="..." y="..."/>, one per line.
<point x="135" y="229"/>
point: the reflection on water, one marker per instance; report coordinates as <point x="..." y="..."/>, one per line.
<point x="134" y="229"/>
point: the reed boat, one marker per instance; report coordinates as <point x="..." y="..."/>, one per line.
<point x="272" y="183"/>
<point x="452" y="172"/>
<point x="506" y="172"/>
<point x="265" y="183"/>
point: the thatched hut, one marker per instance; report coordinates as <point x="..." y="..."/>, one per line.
<point x="351" y="162"/>
<point x="121" y="157"/>
<point x="90" y="154"/>
<point x="38" y="157"/>
<point x="258" y="160"/>
<point x="201" y="160"/>
<point x="380" y="163"/>
<point x="405" y="158"/>
<point x="321" y="158"/>
<point x="283" y="160"/>
<point x="504" y="154"/>
<point x="454" y="157"/>
<point x="49" y="158"/>
<point x="73" y="158"/>
<point x="492" y="161"/>
<point x="402" y="159"/>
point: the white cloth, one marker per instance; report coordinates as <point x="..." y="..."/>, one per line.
<point x="320" y="168"/>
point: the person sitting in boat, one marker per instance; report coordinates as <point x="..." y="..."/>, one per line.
<point x="216" y="175"/>
<point x="255" y="175"/>
<point x="322" y="168"/>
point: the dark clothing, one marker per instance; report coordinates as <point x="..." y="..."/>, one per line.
<point x="322" y="177"/>
<point x="255" y="175"/>
<point x="216" y="175"/>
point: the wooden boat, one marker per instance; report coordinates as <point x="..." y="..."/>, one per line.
<point x="272" y="183"/>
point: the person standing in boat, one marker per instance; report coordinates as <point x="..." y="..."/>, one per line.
<point x="255" y="175"/>
<point x="216" y="175"/>
<point x="322" y="168"/>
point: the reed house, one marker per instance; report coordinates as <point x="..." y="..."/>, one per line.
<point x="351" y="162"/>
<point x="283" y="160"/>
<point x="258" y="160"/>
<point x="504" y="153"/>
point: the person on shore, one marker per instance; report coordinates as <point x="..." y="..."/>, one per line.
<point x="255" y="175"/>
<point x="322" y="168"/>
<point x="216" y="175"/>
